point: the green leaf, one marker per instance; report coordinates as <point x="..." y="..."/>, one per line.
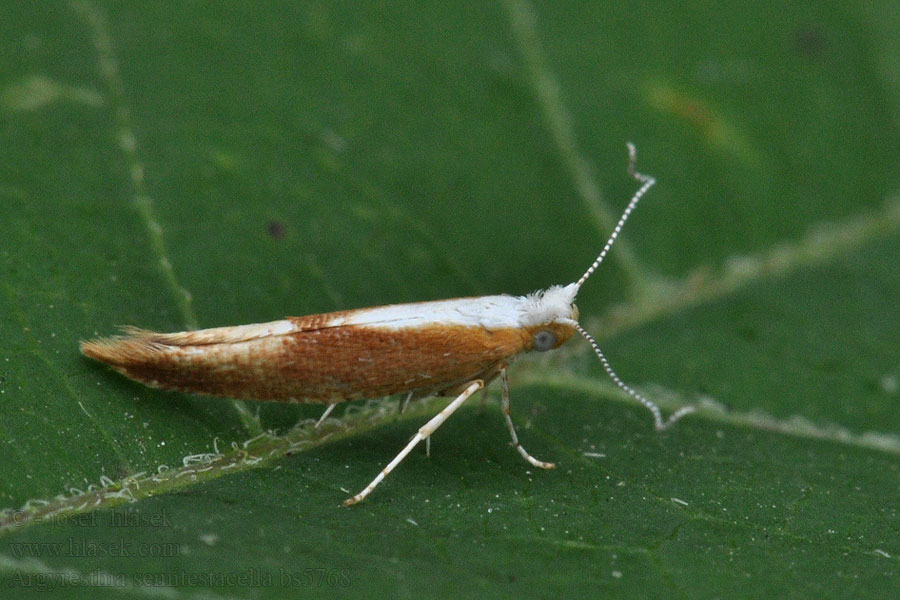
<point x="192" y="165"/>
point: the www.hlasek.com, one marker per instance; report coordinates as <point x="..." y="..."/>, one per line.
<point x="319" y="577"/>
<point x="121" y="547"/>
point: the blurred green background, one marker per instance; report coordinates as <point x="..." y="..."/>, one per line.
<point x="180" y="165"/>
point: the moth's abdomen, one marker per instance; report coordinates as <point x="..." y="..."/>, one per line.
<point x="329" y="364"/>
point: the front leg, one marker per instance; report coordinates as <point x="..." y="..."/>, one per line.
<point x="504" y="394"/>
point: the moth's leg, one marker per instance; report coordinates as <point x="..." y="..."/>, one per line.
<point x="325" y="414"/>
<point x="405" y="402"/>
<point x="426" y="430"/>
<point x="483" y="401"/>
<point x="504" y="394"/>
<point x="403" y="405"/>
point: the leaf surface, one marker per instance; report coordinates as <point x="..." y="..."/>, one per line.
<point x="195" y="166"/>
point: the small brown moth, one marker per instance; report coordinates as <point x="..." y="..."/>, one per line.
<point x="446" y="347"/>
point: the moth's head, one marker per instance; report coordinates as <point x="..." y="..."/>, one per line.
<point x="550" y="316"/>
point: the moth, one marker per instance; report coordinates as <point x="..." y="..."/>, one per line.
<point x="445" y="347"/>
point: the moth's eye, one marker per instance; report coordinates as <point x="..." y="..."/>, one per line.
<point x="544" y="340"/>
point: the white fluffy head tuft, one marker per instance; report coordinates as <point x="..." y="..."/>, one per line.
<point x="556" y="303"/>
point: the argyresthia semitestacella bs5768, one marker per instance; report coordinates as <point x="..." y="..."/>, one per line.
<point x="446" y="347"/>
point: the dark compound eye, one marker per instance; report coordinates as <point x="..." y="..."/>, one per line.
<point x="544" y="340"/>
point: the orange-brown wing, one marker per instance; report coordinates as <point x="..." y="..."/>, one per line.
<point x="305" y="359"/>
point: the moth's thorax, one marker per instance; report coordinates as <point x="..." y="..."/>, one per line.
<point x="556" y="304"/>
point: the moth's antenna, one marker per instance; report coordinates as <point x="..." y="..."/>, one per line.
<point x="649" y="404"/>
<point x="646" y="183"/>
